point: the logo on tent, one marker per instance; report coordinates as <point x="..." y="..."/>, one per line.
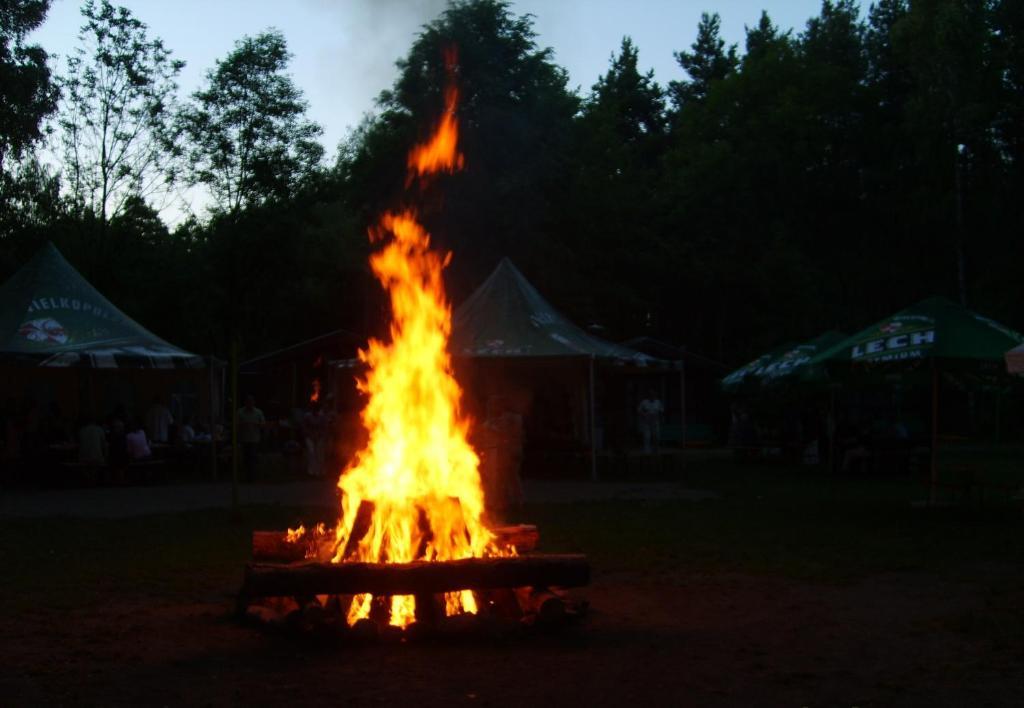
<point x="46" y="330"/>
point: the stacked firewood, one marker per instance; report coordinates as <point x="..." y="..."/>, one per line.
<point x="290" y="585"/>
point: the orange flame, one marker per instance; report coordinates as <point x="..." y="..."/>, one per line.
<point x="315" y="395"/>
<point x="417" y="468"/>
<point x="440" y="153"/>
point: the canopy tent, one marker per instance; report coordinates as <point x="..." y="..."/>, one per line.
<point x="51" y="316"/>
<point x="62" y="341"/>
<point x="1015" y="360"/>
<point x="699" y="382"/>
<point x="937" y="330"/>
<point x="507" y="317"/>
<point x="934" y="335"/>
<point x="788" y="363"/>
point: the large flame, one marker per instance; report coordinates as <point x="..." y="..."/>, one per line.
<point x="417" y="469"/>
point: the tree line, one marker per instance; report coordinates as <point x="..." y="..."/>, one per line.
<point x="807" y="180"/>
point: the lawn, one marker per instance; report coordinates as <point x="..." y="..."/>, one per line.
<point x="789" y="589"/>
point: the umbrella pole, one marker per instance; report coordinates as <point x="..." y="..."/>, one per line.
<point x="935" y="432"/>
<point x="830" y="430"/>
<point x="234" y="425"/>
<point x="593" y="425"/>
<point x="213" y="420"/>
<point x="682" y="400"/>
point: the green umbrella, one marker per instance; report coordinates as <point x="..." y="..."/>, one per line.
<point x="934" y="335"/>
<point x="787" y="364"/>
<point x="936" y="329"/>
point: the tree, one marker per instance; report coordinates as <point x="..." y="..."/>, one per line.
<point x="27" y="93"/>
<point x="515" y="115"/>
<point x="249" y="139"/>
<point x="708" y="61"/>
<point x="119" y="96"/>
<point x="619" y="138"/>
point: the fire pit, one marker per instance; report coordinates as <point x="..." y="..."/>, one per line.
<point x="288" y="585"/>
<point x="411" y="549"/>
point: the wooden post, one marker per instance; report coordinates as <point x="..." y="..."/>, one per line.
<point x="935" y="432"/>
<point x="234" y="423"/>
<point x="593" y="425"/>
<point x="682" y="399"/>
<point x="999" y="406"/>
<point x="830" y="429"/>
<point x="213" y="419"/>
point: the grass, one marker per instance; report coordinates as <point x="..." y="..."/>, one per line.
<point x="768" y="520"/>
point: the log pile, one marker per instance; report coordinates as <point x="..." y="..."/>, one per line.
<point x="292" y="585"/>
<point x="274" y="546"/>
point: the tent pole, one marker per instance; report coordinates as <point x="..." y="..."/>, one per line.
<point x="213" y="421"/>
<point x="935" y="432"/>
<point x="999" y="402"/>
<point x="234" y="425"/>
<point x="593" y="425"/>
<point x="830" y="430"/>
<point x="682" y="400"/>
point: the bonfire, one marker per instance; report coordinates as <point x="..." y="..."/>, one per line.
<point x="410" y="543"/>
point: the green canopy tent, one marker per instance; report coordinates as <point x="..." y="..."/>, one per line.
<point x="507" y="318"/>
<point x="787" y="364"/>
<point x="786" y="368"/>
<point x="57" y="329"/>
<point x="51" y="316"/>
<point x="935" y="335"/>
<point x="1015" y="360"/>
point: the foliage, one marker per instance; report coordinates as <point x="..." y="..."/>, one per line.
<point x="515" y="120"/>
<point x="707" y="62"/>
<point x="249" y="140"/>
<point x="817" y="179"/>
<point x="118" y="98"/>
<point x="27" y="93"/>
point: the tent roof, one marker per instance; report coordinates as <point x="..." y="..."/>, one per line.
<point x="936" y="328"/>
<point x="507" y="317"/>
<point x="51" y="316"/>
<point x="331" y="345"/>
<point x="784" y="363"/>
<point x="671" y="352"/>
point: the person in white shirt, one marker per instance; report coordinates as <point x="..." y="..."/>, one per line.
<point x="92" y="444"/>
<point x="250" y="422"/>
<point x="136" y="443"/>
<point x="649" y="420"/>
<point x="158" y="421"/>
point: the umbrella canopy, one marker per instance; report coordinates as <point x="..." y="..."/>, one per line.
<point x="788" y="363"/>
<point x="936" y="329"/>
<point x="507" y="317"/>
<point x="51" y="316"/>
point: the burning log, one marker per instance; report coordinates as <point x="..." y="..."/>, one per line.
<point x="524" y="537"/>
<point x="417" y="578"/>
<point x="274" y="546"/>
<point x="547" y="607"/>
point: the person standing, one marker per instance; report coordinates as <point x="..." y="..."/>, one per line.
<point x="250" y="421"/>
<point x="649" y="420"/>
<point x="92" y="443"/>
<point x="314" y="424"/>
<point x="158" y="421"/>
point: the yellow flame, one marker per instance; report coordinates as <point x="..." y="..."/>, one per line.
<point x="417" y="468"/>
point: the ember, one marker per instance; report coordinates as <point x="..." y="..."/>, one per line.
<point x="411" y="544"/>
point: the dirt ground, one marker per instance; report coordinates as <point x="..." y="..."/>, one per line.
<point x="652" y="639"/>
